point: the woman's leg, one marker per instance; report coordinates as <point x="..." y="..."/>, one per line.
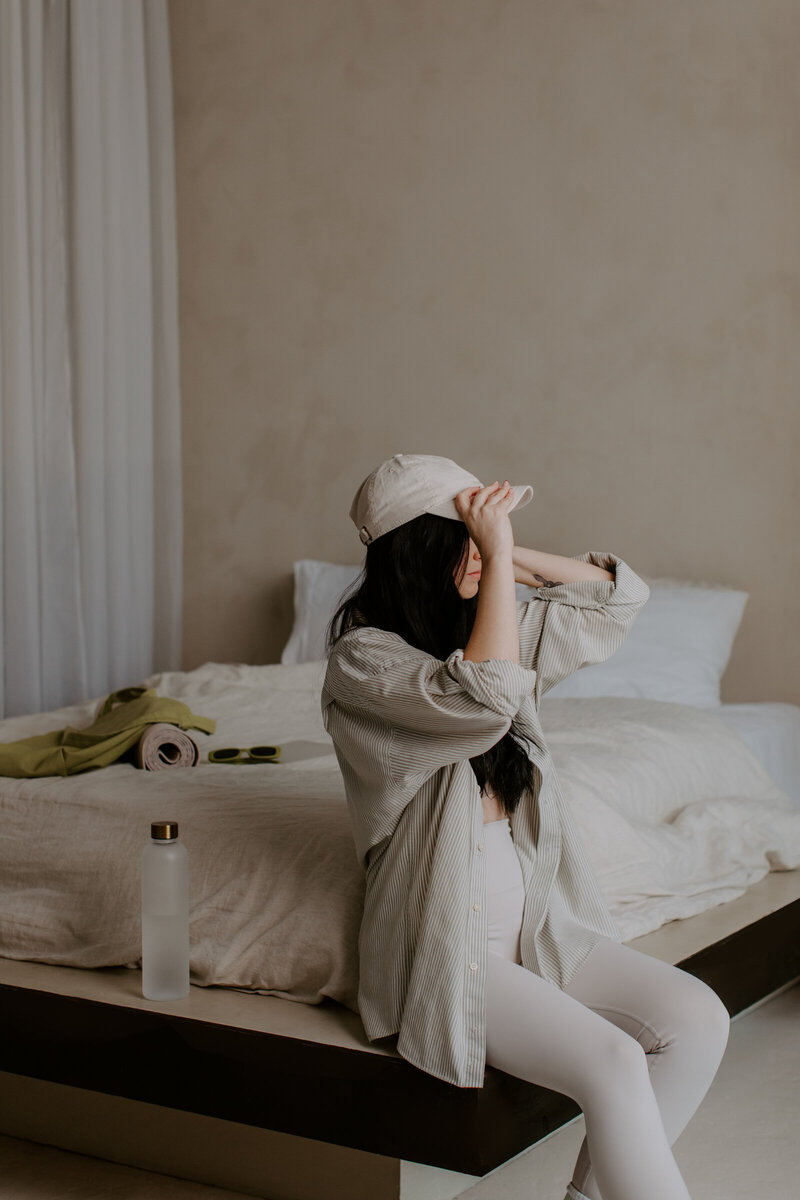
<point x="681" y="1024"/>
<point x="538" y="1032"/>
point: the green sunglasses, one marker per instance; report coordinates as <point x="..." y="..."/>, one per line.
<point x="255" y="754"/>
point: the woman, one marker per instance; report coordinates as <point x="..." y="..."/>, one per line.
<point x="485" y="939"/>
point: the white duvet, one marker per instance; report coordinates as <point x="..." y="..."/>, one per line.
<point x="677" y="813"/>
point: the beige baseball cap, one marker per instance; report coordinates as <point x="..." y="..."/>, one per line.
<point x="408" y="485"/>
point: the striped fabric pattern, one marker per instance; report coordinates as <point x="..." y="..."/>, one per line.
<point x="404" y="725"/>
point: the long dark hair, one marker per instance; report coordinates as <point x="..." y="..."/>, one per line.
<point x="407" y="587"/>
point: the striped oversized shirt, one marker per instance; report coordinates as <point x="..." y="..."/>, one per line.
<point x="404" y="725"/>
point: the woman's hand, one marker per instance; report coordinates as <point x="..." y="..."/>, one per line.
<point x="485" y="511"/>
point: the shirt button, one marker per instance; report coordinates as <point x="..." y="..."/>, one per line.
<point x="473" y="966"/>
<point x="480" y="845"/>
<point x="476" y="908"/>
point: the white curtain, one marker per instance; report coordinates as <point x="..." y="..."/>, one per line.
<point x="90" y="477"/>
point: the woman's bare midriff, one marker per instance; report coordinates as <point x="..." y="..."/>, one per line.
<point x="492" y="808"/>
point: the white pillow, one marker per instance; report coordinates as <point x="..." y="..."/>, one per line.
<point x="677" y="649"/>
<point x="319" y="589"/>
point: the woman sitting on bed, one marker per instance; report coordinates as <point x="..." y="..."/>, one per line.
<point x="485" y="939"/>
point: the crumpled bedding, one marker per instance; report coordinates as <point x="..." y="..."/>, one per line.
<point x="677" y="814"/>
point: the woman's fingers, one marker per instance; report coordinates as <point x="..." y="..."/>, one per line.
<point x="478" y="497"/>
<point x="500" y="494"/>
<point x="485" y="512"/>
<point x="475" y="498"/>
<point x="463" y="500"/>
<point x="493" y="491"/>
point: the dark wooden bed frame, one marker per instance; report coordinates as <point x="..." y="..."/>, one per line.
<point x="375" y="1102"/>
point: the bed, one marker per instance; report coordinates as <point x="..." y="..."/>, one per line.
<point x="690" y="810"/>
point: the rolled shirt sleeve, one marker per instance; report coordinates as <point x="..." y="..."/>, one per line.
<point x="420" y="694"/>
<point x="439" y="711"/>
<point x="573" y="625"/>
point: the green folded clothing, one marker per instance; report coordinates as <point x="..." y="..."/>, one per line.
<point x="120" y="722"/>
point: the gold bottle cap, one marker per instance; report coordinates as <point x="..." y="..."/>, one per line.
<point x="164" y="831"/>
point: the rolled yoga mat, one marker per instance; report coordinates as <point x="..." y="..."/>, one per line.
<point x="163" y="746"/>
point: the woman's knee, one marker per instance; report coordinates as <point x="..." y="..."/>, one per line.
<point x="618" y="1062"/>
<point x="707" y="1016"/>
<point x="622" y="1054"/>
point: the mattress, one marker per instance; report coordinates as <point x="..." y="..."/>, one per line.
<point x="677" y="811"/>
<point x="771" y="729"/>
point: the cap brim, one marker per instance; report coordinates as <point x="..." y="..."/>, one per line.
<point x="523" y="494"/>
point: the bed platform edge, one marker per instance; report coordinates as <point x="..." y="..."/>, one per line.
<point x="367" y="1100"/>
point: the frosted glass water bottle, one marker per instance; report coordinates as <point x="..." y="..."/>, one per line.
<point x="165" y="914"/>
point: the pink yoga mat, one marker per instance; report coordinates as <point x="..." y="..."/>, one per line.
<point x="162" y="747"/>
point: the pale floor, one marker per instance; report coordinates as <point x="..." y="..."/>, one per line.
<point x="742" y="1144"/>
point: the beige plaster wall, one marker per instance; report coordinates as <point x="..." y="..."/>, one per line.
<point x="557" y="242"/>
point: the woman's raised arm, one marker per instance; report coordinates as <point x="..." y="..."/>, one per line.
<point x="580" y="619"/>
<point x="534" y="568"/>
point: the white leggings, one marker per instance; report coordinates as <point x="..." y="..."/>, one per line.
<point x="634" y="1041"/>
